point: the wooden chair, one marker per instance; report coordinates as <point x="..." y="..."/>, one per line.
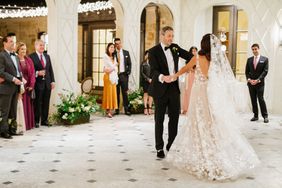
<point x="87" y="85"/>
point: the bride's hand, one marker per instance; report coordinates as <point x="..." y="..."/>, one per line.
<point x="173" y="77"/>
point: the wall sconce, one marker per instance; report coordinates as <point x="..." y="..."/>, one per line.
<point x="280" y="36"/>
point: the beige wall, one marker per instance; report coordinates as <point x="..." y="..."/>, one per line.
<point x="25" y="29"/>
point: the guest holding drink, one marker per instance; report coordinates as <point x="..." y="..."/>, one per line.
<point x="45" y="82"/>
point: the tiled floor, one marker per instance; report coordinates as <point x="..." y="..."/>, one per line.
<point x="119" y="152"/>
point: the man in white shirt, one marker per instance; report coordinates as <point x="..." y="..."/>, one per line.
<point x="9" y="87"/>
<point x="256" y="70"/>
<point x="124" y="70"/>
<point x="45" y="82"/>
<point x="163" y="59"/>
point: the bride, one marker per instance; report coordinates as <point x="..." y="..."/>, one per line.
<point x="209" y="145"/>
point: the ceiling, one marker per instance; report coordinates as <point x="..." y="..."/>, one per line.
<point x="32" y="3"/>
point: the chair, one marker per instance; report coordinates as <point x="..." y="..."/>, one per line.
<point x="87" y="85"/>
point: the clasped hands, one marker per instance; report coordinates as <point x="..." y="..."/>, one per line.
<point x="254" y="82"/>
<point x="169" y="78"/>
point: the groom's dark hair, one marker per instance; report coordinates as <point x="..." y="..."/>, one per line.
<point x="165" y="29"/>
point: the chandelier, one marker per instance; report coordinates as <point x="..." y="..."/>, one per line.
<point x="21" y="12"/>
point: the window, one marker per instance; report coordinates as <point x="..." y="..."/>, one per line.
<point x="100" y="39"/>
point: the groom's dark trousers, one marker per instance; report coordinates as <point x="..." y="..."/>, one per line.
<point x="170" y="102"/>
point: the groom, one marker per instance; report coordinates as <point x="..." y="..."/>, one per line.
<point x="163" y="60"/>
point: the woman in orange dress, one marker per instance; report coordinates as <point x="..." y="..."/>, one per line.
<point x="189" y="79"/>
<point x="109" y="102"/>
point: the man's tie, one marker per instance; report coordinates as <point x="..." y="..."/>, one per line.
<point x="12" y="54"/>
<point x="167" y="47"/>
<point x="42" y="61"/>
<point x="255" y="62"/>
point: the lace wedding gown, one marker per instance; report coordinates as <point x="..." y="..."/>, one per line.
<point x="208" y="145"/>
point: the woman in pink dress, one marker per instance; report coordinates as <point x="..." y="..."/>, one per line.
<point x="189" y="79"/>
<point x="27" y="69"/>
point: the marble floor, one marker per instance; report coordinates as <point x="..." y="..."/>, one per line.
<point x="119" y="152"/>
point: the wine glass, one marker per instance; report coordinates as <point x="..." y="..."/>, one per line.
<point x="43" y="77"/>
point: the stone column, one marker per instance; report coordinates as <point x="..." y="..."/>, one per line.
<point x="151" y="27"/>
<point x="62" y="38"/>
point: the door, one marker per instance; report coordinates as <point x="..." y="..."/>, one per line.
<point x="224" y="26"/>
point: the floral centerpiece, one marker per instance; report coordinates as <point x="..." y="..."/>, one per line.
<point x="75" y="109"/>
<point x="135" y="99"/>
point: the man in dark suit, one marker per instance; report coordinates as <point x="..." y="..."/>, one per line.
<point x="124" y="70"/>
<point x="9" y="87"/>
<point x="164" y="62"/>
<point x="256" y="70"/>
<point x="45" y="82"/>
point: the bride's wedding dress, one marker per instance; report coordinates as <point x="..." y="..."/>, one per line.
<point x="209" y="144"/>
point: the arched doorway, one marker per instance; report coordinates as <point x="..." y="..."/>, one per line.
<point x="153" y="18"/>
<point x="95" y="30"/>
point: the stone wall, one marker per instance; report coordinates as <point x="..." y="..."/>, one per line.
<point x="25" y="29"/>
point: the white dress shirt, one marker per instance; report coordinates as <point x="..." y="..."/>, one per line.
<point x="170" y="62"/>
<point x="15" y="63"/>
<point x="121" y="63"/>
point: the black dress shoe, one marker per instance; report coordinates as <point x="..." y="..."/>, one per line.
<point x="254" y="119"/>
<point x="127" y="113"/>
<point x="46" y="124"/>
<point x="116" y="112"/>
<point x="6" y="135"/>
<point x="160" y="153"/>
<point x="167" y="147"/>
<point x="37" y="125"/>
<point x="265" y="120"/>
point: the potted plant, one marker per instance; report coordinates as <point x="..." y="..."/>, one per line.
<point x="75" y="109"/>
<point x="135" y="98"/>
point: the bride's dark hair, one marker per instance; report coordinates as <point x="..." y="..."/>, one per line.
<point x="206" y="46"/>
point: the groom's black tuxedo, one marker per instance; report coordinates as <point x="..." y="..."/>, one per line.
<point x="159" y="65"/>
<point x="166" y="95"/>
<point x="256" y="91"/>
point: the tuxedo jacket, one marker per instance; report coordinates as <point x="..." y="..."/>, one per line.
<point x="159" y="65"/>
<point x="49" y="74"/>
<point x="127" y="61"/>
<point x="260" y="72"/>
<point x="8" y="71"/>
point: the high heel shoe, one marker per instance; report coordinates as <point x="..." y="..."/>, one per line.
<point x="145" y="111"/>
<point x="109" y="115"/>
<point x="150" y="111"/>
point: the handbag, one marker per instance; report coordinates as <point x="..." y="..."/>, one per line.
<point x="32" y="94"/>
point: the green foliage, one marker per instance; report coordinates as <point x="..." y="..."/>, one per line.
<point x="135" y="99"/>
<point x="73" y="108"/>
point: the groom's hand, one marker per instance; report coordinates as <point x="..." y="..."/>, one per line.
<point x="167" y="79"/>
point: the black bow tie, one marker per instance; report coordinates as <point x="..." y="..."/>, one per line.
<point x="12" y="53"/>
<point x="167" y="47"/>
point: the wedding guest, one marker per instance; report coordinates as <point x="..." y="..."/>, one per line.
<point x="28" y="73"/>
<point x="45" y="83"/>
<point x="109" y="102"/>
<point x="124" y="70"/>
<point x="189" y="79"/>
<point x="9" y="88"/>
<point x="146" y="83"/>
<point x="256" y="71"/>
